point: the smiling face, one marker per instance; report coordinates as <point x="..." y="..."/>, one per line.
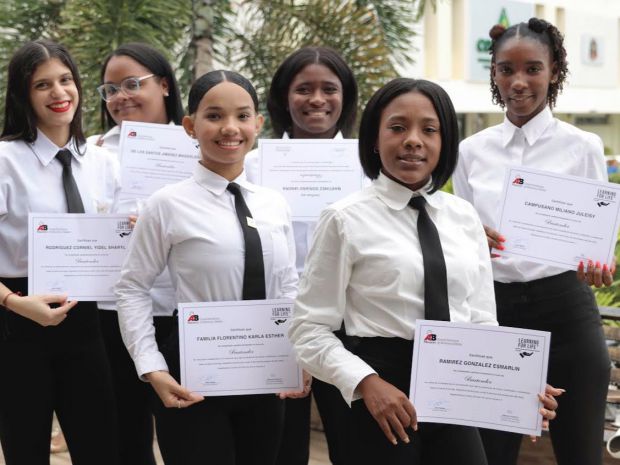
<point x="225" y="125"/>
<point x="315" y="102"/>
<point x="522" y="72"/>
<point x="409" y="140"/>
<point x="147" y="104"/>
<point x="54" y="98"/>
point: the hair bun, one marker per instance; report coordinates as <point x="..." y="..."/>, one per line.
<point x="497" y="31"/>
<point x="538" y="25"/>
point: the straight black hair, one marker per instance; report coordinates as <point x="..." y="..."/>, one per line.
<point x="277" y="99"/>
<point x="448" y="126"/>
<point x="20" y="121"/>
<point x="157" y="64"/>
<point x="207" y="81"/>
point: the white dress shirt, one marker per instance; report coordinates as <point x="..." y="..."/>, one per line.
<point x="162" y="292"/>
<point x="303" y="230"/>
<point x="192" y="227"/>
<point x="365" y="267"/>
<point x="545" y="143"/>
<point x="31" y="182"/>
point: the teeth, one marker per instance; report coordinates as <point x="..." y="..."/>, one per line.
<point x="59" y="105"/>
<point x="230" y="144"/>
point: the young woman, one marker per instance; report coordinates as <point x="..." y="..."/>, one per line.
<point x="528" y="71"/>
<point x="313" y="95"/>
<point x="62" y="367"/>
<point x="193" y="228"/>
<point x="366" y="268"/>
<point x="137" y="84"/>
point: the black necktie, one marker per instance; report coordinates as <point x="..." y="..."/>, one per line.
<point x="436" y="305"/>
<point x="72" y="193"/>
<point x="254" y="270"/>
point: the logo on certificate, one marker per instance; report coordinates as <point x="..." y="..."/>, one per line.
<point x="604" y="197"/>
<point x="193" y="318"/>
<point x="518" y="181"/>
<point x="527" y="346"/>
<point x="430" y="337"/>
<point x="42" y="227"/>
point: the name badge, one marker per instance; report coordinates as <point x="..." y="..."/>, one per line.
<point x="251" y="222"/>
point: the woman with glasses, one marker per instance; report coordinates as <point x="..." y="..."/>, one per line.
<point x="138" y="84"/>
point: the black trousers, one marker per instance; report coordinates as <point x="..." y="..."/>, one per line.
<point x="224" y="430"/>
<point x="578" y="362"/>
<point x="63" y="369"/>
<point x="132" y="395"/>
<point x="433" y="443"/>
<point x="295" y="446"/>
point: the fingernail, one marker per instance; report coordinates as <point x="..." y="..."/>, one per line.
<point x="502" y="239"/>
<point x="580" y="267"/>
<point x="598" y="264"/>
<point x="395" y="442"/>
<point x="500" y="247"/>
<point x="605" y="268"/>
<point x="406" y="440"/>
<point x="415" y="428"/>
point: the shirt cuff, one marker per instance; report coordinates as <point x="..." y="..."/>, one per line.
<point x="149" y="363"/>
<point x="349" y="391"/>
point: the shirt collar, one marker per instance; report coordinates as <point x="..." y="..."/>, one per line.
<point x="532" y="130"/>
<point x="337" y="136"/>
<point x="396" y="196"/>
<point x="217" y="184"/>
<point x="45" y="150"/>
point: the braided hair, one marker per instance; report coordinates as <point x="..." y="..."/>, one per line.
<point x="545" y="33"/>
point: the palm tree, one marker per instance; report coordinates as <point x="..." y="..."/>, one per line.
<point x="372" y="36"/>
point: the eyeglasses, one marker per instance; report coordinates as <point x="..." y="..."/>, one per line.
<point x="129" y="86"/>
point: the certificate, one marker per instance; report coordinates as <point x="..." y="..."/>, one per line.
<point x="310" y="173"/>
<point x="237" y="348"/>
<point x="558" y="220"/>
<point x="76" y="254"/>
<point x="153" y="156"/>
<point x="478" y="375"/>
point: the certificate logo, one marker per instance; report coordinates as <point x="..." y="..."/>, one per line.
<point x="123" y="228"/>
<point x="132" y="134"/>
<point x="430" y="337"/>
<point x="42" y="227"/>
<point x="527" y="346"/>
<point x="605" y="197"/>
<point x="518" y="181"/>
<point x="193" y="318"/>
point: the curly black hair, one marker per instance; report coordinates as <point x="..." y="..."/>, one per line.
<point x="542" y="31"/>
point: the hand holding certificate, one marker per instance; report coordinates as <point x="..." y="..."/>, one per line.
<point x="557" y="219"/>
<point x="237" y="348"/>
<point x="476" y="375"/>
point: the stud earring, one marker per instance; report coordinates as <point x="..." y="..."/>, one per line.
<point x="375" y="149"/>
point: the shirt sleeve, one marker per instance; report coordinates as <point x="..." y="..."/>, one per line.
<point x="290" y="279"/>
<point x="594" y="153"/>
<point x="146" y="259"/>
<point x="482" y="298"/>
<point x="460" y="183"/>
<point x="320" y="307"/>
